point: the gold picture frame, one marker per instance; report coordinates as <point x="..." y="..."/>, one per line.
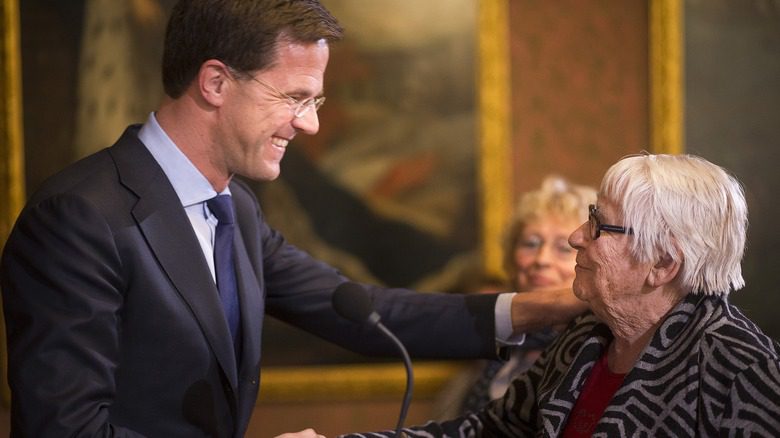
<point x="11" y="143"/>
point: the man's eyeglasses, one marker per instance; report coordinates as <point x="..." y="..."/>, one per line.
<point x="300" y="107"/>
<point x="596" y="226"/>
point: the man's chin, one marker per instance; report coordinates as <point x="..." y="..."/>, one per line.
<point x="263" y="175"/>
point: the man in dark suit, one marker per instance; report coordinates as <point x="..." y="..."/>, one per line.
<point x="130" y="313"/>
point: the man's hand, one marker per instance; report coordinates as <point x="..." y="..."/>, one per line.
<point x="306" y="433"/>
<point x="533" y="311"/>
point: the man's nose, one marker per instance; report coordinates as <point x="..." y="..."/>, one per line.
<point x="308" y="123"/>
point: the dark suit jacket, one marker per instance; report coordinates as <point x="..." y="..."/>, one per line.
<point x="115" y="327"/>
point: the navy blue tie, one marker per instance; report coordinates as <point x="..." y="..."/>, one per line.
<point x="222" y="207"/>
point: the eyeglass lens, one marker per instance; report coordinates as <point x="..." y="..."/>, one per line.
<point x="595" y="230"/>
<point x="301" y="108"/>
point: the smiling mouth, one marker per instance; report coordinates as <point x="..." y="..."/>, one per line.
<point x="280" y="142"/>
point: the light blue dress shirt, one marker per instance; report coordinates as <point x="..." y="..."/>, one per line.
<point x="190" y="185"/>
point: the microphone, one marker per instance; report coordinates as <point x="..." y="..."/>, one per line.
<point x="351" y="301"/>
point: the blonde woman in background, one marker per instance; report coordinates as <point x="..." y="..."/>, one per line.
<point x="537" y="256"/>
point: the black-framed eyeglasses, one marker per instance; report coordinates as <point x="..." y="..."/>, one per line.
<point x="299" y="107"/>
<point x="596" y="226"/>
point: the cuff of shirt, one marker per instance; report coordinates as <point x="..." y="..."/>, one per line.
<point x="505" y="335"/>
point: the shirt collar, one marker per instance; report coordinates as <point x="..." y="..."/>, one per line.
<point x="190" y="185"/>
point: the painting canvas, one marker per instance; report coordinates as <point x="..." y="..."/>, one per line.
<point x="385" y="192"/>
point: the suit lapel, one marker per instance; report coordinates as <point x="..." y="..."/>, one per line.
<point x="249" y="277"/>
<point x="171" y="238"/>
<point x="252" y="311"/>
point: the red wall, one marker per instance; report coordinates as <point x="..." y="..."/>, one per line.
<point x="579" y="72"/>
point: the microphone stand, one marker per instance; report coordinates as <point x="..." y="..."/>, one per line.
<point x="409" y="378"/>
<point x="351" y="301"/>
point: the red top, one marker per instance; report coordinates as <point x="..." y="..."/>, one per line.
<point x="596" y="394"/>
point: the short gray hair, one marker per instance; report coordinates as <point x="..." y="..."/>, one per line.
<point x="688" y="208"/>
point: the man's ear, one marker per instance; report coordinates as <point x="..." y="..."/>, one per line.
<point x="213" y="81"/>
<point x="664" y="271"/>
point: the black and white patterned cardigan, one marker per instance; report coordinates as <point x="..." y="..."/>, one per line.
<point x="707" y="372"/>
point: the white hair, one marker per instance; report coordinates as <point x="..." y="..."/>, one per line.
<point x="688" y="208"/>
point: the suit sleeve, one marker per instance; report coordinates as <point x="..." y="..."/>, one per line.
<point x="299" y="290"/>
<point x="62" y="299"/>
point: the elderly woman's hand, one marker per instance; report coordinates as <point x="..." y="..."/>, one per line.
<point x="306" y="433"/>
<point x="533" y="311"/>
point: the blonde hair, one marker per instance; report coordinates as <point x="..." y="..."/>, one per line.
<point x="557" y="198"/>
<point x="688" y="208"/>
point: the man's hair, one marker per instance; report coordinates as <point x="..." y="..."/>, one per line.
<point x="688" y="208"/>
<point x="556" y="198"/>
<point x="241" y="33"/>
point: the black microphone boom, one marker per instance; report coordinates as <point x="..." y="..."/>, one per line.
<point x="351" y="301"/>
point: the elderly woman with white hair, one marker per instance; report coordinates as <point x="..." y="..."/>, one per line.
<point x="661" y="352"/>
